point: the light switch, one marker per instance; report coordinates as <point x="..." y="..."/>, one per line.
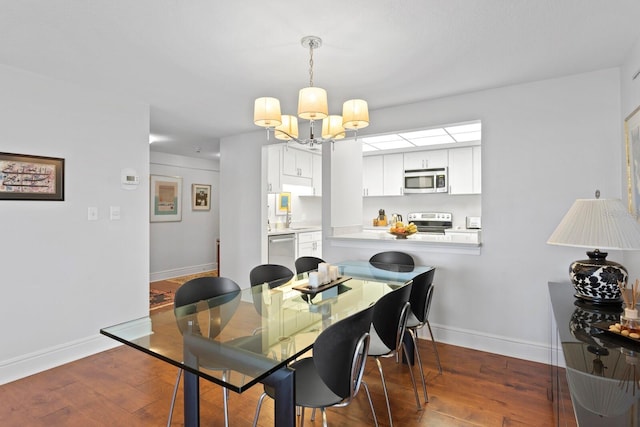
<point x="92" y="214"/>
<point x="114" y="213"/>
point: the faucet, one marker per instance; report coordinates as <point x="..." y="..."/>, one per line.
<point x="288" y="220"/>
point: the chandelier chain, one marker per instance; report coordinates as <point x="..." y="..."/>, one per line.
<point x="311" y="46"/>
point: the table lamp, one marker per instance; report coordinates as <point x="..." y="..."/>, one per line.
<point x="598" y="224"/>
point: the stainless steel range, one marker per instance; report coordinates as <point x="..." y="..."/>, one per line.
<point x="431" y="222"/>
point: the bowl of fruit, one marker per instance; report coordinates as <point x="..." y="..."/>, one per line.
<point x="401" y="231"/>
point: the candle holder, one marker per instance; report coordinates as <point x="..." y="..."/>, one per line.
<point x="629" y="320"/>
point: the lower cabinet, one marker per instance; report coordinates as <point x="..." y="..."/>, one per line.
<point x="310" y="244"/>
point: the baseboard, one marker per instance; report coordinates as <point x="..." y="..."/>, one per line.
<point x="33" y="363"/>
<point x="520" y="349"/>
<point x="183" y="271"/>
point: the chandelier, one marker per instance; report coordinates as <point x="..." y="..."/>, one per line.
<point x="312" y="106"/>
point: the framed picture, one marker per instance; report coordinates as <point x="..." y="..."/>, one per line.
<point x="632" y="139"/>
<point x="25" y="177"/>
<point x="284" y="203"/>
<point x="166" y="198"/>
<point x="200" y="197"/>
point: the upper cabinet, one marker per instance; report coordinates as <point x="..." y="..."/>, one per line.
<point x="274" y="157"/>
<point x="297" y="163"/>
<point x="372" y="176"/>
<point x="465" y="170"/>
<point x="287" y="165"/>
<point x="393" y="174"/>
<point x="383" y="175"/>
<point x="426" y="159"/>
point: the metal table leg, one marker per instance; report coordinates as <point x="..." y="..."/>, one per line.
<point x="283" y="381"/>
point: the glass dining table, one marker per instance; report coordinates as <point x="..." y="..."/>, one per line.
<point x="247" y="337"/>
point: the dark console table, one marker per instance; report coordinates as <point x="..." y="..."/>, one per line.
<point x="602" y="370"/>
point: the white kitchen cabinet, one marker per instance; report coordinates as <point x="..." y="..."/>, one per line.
<point x="383" y="175"/>
<point x="477" y="170"/>
<point x="274" y="157"/>
<point x="393" y="174"/>
<point x="297" y="162"/>
<point x="310" y="244"/>
<point x="426" y="159"/>
<point x="316" y="179"/>
<point x="373" y="176"/>
<point x="464" y="170"/>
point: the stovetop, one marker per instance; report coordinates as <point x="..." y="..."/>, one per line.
<point x="431" y="222"/>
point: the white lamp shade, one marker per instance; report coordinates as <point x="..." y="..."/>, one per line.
<point x="355" y="114"/>
<point x="289" y="125"/>
<point x="312" y="103"/>
<point x="332" y="127"/>
<point x="598" y="224"/>
<point x="266" y="112"/>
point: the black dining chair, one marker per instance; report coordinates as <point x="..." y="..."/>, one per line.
<point x="185" y="309"/>
<point x="307" y="263"/>
<point x="387" y="330"/>
<point x="420" y="300"/>
<point x="393" y="261"/>
<point x="332" y="376"/>
<point x="274" y="274"/>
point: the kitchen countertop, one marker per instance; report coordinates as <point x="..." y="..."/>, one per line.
<point x="294" y="230"/>
<point x="455" y="241"/>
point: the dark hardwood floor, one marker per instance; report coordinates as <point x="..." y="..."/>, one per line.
<point x="124" y="387"/>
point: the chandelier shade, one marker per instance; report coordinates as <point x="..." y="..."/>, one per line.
<point x="312" y="103"/>
<point x="288" y="129"/>
<point x="355" y="114"/>
<point x="266" y="112"/>
<point x="312" y="106"/>
<point x="332" y="128"/>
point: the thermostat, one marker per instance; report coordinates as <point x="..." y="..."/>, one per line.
<point x="129" y="179"/>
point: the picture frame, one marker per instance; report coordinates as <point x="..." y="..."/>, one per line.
<point x="632" y="142"/>
<point x="165" y="198"/>
<point x="28" y="177"/>
<point x="284" y="203"/>
<point x="200" y="197"/>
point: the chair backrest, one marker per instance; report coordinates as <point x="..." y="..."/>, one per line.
<point x="393" y="261"/>
<point x="390" y="316"/>
<point x="203" y="289"/>
<point x="420" y="294"/>
<point x="274" y="274"/>
<point x="307" y="263"/>
<point x="340" y="353"/>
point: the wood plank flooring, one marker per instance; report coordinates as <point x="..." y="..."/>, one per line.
<point x="124" y="387"/>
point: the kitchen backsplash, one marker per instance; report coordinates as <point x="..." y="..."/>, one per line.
<point x="460" y="206"/>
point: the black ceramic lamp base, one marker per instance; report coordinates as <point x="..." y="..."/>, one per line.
<point x="596" y="279"/>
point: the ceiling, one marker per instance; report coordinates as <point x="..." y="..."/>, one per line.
<point x="200" y="64"/>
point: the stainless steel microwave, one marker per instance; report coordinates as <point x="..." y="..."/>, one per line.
<point x="432" y="180"/>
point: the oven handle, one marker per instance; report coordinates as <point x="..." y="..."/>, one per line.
<point x="286" y="239"/>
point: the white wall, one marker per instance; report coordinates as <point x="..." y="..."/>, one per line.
<point x="544" y="145"/>
<point x="63" y="277"/>
<point x="188" y="246"/>
<point x="243" y="204"/>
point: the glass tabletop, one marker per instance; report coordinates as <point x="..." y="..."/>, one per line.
<point x="381" y="271"/>
<point x="238" y="339"/>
